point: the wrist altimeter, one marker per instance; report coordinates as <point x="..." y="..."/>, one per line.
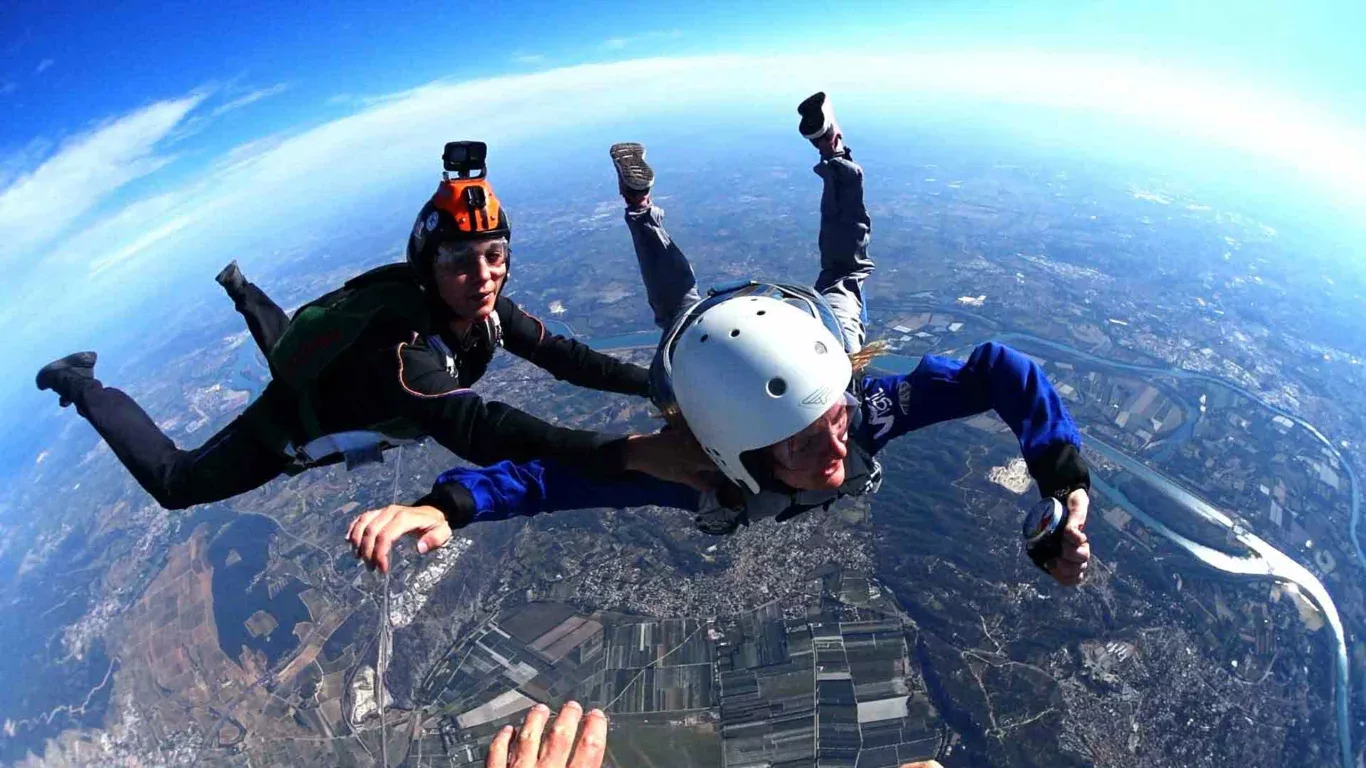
<point x="1044" y="525"/>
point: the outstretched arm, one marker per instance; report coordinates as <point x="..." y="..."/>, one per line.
<point x="467" y="495"/>
<point x="484" y="432"/>
<point x="995" y="377"/>
<point x="567" y="359"/>
<point x="480" y="494"/>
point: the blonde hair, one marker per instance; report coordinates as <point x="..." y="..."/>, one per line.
<point x="864" y="357"/>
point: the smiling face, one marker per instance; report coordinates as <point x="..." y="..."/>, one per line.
<point x="813" y="459"/>
<point x="469" y="276"/>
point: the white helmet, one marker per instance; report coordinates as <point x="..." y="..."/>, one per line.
<point x="751" y="371"/>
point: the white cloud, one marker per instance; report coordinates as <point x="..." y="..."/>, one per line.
<point x="617" y="43"/>
<point x="265" y="187"/>
<point x="529" y="58"/>
<point x="247" y="152"/>
<point x="392" y="136"/>
<point x="16" y="162"/>
<point x="84" y="171"/>
<point x="249" y="98"/>
<point x="43" y="66"/>
<point x="143" y="242"/>
<point x="7" y="87"/>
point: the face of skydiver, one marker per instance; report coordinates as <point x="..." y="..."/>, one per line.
<point x="469" y="276"/>
<point x="813" y="459"/>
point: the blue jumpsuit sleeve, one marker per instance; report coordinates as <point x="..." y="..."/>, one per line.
<point x="995" y="377"/>
<point x="506" y="489"/>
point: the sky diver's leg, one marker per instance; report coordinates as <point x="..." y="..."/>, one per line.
<point x="670" y="285"/>
<point x="265" y="319"/>
<point x="844" y="236"/>
<point x="236" y="460"/>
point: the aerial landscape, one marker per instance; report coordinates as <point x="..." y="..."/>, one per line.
<point x="1207" y="341"/>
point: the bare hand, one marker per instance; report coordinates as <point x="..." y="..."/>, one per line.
<point x="672" y="455"/>
<point x="1070" y="568"/>
<point x="925" y="764"/>
<point x="529" y="752"/>
<point x="373" y="534"/>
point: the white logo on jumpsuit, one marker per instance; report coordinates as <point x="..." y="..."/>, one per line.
<point x="881" y="406"/>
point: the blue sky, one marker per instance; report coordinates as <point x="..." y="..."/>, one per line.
<point x="144" y="142"/>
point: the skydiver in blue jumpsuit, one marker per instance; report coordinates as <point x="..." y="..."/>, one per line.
<point x="790" y="429"/>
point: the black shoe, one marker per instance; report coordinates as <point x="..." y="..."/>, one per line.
<point x="817" y="116"/>
<point x="231" y="279"/>
<point x="635" y="177"/>
<point x="59" y="375"/>
<point x="819" y="127"/>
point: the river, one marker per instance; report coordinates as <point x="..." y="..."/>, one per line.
<point x="1355" y="519"/>
<point x="1269" y="562"/>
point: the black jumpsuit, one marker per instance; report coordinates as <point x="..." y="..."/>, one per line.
<point x="392" y="371"/>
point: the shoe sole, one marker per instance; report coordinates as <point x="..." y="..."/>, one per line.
<point x="633" y="172"/>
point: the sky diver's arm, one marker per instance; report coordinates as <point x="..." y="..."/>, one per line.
<point x="484" y="432"/>
<point x="995" y="377"/>
<point x="567" y="359"/>
<point x="506" y="489"/>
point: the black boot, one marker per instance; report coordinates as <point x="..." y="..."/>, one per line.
<point x="65" y="375"/>
<point x="232" y="280"/>
<point x="818" y="125"/>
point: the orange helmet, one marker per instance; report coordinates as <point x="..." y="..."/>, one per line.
<point x="462" y="208"/>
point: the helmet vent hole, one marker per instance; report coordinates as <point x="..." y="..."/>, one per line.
<point x="777" y="386"/>
<point x="760" y="312"/>
<point x="820" y="348"/>
<point x="734" y="332"/>
<point x="705" y="336"/>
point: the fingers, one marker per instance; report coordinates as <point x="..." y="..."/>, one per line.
<point x="370" y="534"/>
<point x="1070" y="568"/>
<point x="529" y="737"/>
<point x="353" y="533"/>
<point x="1078" y="554"/>
<point x="498" y="749"/>
<point x="384" y="542"/>
<point x="555" y="750"/>
<point x="1068" y="574"/>
<point x="374" y="533"/>
<point x="592" y="745"/>
<point x="1078" y="506"/>
<point x="434" y="539"/>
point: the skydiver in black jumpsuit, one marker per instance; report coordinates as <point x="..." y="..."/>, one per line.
<point x="411" y="367"/>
